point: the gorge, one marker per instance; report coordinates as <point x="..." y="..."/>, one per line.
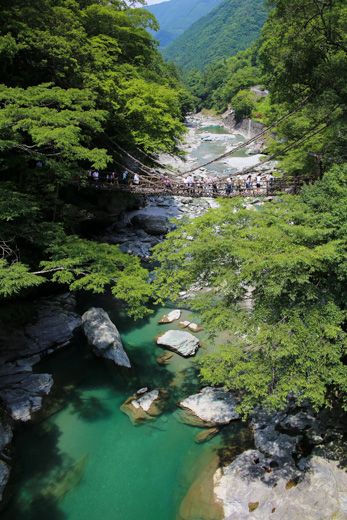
<point x="171" y="357"/>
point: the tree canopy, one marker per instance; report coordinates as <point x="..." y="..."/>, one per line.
<point x="78" y="78"/>
<point x="288" y="261"/>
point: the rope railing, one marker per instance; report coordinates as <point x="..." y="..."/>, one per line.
<point x="203" y="189"/>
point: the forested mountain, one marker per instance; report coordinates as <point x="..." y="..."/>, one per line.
<point x="78" y="78"/>
<point x="175" y="16"/>
<point x="232" y="26"/>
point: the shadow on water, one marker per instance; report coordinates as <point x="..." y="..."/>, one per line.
<point x="39" y="439"/>
<point x="235" y="440"/>
<point x="40" y="509"/>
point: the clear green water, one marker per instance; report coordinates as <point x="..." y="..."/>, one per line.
<point x="86" y="460"/>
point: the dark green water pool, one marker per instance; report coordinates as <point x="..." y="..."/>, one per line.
<point x="84" y="460"/>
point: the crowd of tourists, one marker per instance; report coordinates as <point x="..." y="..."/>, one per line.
<point x="190" y="185"/>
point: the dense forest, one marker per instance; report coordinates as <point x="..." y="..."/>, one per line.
<point x="291" y="256"/>
<point x="231" y="27"/>
<point x="78" y="78"/>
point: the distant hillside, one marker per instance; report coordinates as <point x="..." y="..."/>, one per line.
<point x="232" y="26"/>
<point x="175" y="16"/>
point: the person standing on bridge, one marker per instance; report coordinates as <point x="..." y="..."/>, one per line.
<point x="249" y="184"/>
<point x="190" y="184"/>
<point x="229" y="187"/>
<point x="125" y="177"/>
<point x="258" y="183"/>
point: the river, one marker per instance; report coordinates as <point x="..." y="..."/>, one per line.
<point x="83" y="459"/>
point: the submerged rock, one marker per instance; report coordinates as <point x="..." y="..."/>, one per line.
<point x="171" y="316"/>
<point x="318" y="494"/>
<point x="214" y="406"/>
<point x="179" y="341"/>
<point x="67" y="480"/>
<point x="104" y="337"/>
<point x="165" y="358"/>
<point x="206" y="435"/>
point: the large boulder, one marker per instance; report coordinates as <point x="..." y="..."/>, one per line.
<point x="104" y="337"/>
<point x="254" y="488"/>
<point x="157" y="225"/>
<point x="179" y="341"/>
<point x="214" y="406"/>
<point x="171" y="316"/>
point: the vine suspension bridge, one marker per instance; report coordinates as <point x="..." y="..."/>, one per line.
<point x="165" y="180"/>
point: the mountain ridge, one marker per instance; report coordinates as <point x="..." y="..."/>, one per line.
<point x="233" y="25"/>
<point x="175" y="16"/>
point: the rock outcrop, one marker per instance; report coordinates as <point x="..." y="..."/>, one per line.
<point x="179" y="341"/>
<point x="104" y="337"/>
<point x="214" y="406"/>
<point x="255" y="487"/>
<point x="52" y="326"/>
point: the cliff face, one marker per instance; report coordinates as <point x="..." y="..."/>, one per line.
<point x="247" y="127"/>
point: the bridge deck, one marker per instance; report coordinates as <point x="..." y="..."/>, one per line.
<point x="266" y="188"/>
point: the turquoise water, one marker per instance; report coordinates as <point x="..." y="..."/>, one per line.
<point x="84" y="459"/>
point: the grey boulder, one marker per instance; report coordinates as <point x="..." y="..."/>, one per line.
<point x="104" y="337"/>
<point x="179" y="341"/>
<point x="214" y="406"/>
<point x="249" y="489"/>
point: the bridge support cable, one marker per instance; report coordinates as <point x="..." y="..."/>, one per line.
<point x="302" y="140"/>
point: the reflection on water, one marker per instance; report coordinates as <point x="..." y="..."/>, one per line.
<point x="85" y="460"/>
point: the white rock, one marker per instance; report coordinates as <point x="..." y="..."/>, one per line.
<point x="194" y="327"/>
<point x="145" y="402"/>
<point x="142" y="391"/>
<point x="184" y="324"/>
<point x="212" y="405"/>
<point x="104" y="337"/>
<point x="179" y="341"/>
<point x="171" y="316"/>
<point x="320" y="495"/>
